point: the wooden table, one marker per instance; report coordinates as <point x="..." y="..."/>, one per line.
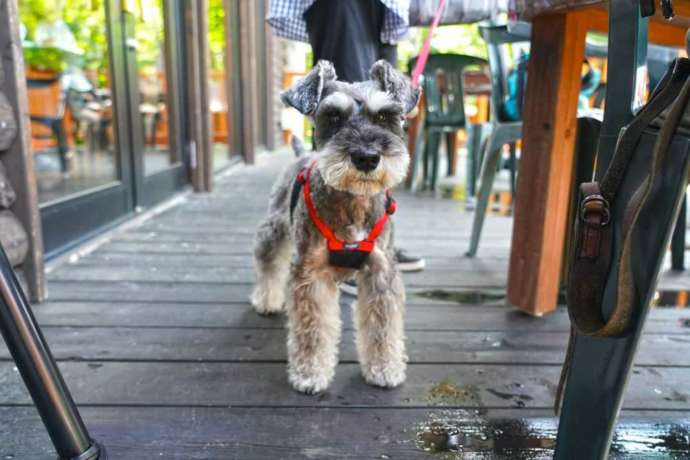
<point x="547" y="165"/>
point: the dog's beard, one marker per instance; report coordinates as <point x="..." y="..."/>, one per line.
<point x="338" y="171"/>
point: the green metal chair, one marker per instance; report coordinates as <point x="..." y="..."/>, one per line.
<point x="498" y="131"/>
<point x="442" y="83"/>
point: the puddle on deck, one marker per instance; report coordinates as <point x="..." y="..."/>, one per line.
<point x="452" y="434"/>
<point x="464" y="297"/>
<point x="662" y="299"/>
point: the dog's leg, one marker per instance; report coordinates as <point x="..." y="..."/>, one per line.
<point x="378" y="319"/>
<point x="313" y="328"/>
<point x="272" y="255"/>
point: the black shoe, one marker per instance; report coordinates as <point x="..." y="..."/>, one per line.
<point x="349" y="287"/>
<point x="406" y="263"/>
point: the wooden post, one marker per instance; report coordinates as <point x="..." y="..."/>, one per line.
<point x="273" y="78"/>
<point x="18" y="159"/>
<point x="232" y="79"/>
<point x="546" y="166"/>
<point x="248" y="76"/>
<point x="198" y="90"/>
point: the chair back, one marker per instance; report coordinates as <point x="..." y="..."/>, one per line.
<point x="496" y="36"/>
<point x="442" y="82"/>
<point x="46" y="98"/>
<point x="46" y="105"/>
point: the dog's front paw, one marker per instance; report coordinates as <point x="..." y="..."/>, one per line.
<point x="389" y="376"/>
<point x="309" y="383"/>
<point x="267" y="301"/>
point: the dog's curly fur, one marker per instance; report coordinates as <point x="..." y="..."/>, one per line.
<point x="292" y="264"/>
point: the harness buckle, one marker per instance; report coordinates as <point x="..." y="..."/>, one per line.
<point x="595" y="211"/>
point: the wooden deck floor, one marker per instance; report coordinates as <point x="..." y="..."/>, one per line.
<point x="167" y="360"/>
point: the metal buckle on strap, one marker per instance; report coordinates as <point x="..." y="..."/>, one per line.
<point x="595" y="205"/>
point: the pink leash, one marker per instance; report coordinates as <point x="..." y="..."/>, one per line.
<point x="424" y="53"/>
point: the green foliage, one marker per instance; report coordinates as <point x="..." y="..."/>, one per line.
<point x="149" y="31"/>
<point x="84" y="18"/>
<point x="460" y="39"/>
<point x="216" y="34"/>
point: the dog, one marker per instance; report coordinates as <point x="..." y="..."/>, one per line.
<point x="361" y="154"/>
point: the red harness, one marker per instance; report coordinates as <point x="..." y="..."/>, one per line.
<point x="334" y="243"/>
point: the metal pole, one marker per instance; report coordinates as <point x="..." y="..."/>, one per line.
<point x="601" y="367"/>
<point x="40" y="372"/>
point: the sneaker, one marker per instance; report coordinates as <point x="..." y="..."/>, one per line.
<point x="406" y="263"/>
<point x="349" y="287"/>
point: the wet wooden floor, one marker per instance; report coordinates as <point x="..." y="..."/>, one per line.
<point x="155" y="337"/>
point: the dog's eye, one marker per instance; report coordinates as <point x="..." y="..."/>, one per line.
<point x="382" y="117"/>
<point x="334" y="119"/>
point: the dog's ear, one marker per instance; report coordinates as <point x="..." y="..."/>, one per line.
<point x="307" y="92"/>
<point x="396" y="84"/>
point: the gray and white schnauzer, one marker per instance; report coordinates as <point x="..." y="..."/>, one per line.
<point x="361" y="155"/>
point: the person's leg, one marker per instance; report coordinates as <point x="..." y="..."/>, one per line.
<point x="346" y="33"/>
<point x="389" y="53"/>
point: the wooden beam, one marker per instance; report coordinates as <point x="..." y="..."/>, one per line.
<point x="547" y="163"/>
<point x="273" y="74"/>
<point x="196" y="14"/>
<point x="233" y="88"/>
<point x="18" y="159"/>
<point x="661" y="31"/>
<point x="248" y="83"/>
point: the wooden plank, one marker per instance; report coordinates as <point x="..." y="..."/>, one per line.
<point x="265" y="384"/>
<point x="252" y="434"/>
<point x="429" y="249"/>
<point x="436" y="317"/>
<point x="268" y="345"/>
<point x="18" y="159"/>
<point x="168" y="291"/>
<point x="127" y="259"/>
<point x="546" y="166"/>
<point x="434" y="277"/>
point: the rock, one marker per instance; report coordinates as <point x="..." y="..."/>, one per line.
<point x="13" y="238"/>
<point x="7" y="194"/>
<point x="8" y="124"/>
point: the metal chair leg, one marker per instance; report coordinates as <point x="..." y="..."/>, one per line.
<point x="40" y="372"/>
<point x="600" y="367"/>
<point x="417" y="158"/>
<point x="433" y="149"/>
<point x="489" y="167"/>
<point x="678" y="239"/>
<point x="474" y="140"/>
<point x="513" y="169"/>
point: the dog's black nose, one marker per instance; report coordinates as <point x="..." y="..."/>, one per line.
<point x="365" y="162"/>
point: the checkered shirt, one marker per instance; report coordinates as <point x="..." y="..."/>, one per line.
<point x="287" y="19"/>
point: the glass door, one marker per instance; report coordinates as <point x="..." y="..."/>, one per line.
<point x="154" y="52"/>
<point x="72" y="68"/>
<point x="103" y="83"/>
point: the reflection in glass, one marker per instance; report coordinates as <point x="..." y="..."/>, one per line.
<point x="68" y="85"/>
<point x="218" y="100"/>
<point x="153" y="84"/>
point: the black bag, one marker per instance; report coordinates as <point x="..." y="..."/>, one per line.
<point x="626" y="220"/>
